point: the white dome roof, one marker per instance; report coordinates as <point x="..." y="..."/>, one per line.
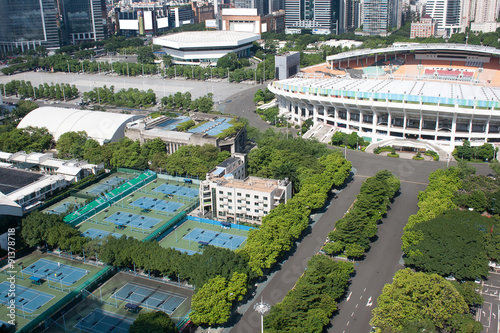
<point x="100" y="126"/>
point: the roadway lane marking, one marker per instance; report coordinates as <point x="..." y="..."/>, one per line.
<point x="349" y="297"/>
<point x="361" y="297"/>
<point x="364" y="290"/>
<point x="352" y="314"/>
<point x="348" y="323"/>
<point x="357" y="306"/>
<point x="369" y="303"/>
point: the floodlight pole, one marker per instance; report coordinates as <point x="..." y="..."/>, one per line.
<point x="262" y="308"/>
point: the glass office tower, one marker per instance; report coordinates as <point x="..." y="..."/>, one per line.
<point x="82" y="20"/>
<point x="26" y="24"/>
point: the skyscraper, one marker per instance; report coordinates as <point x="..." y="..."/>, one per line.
<point x="320" y="16"/>
<point x="82" y="20"/>
<point x="447" y="14"/>
<point x="381" y="16"/>
<point x="26" y="24"/>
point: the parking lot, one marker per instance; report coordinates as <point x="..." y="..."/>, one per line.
<point x="489" y="313"/>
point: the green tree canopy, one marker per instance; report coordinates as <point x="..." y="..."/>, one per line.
<point x="71" y="144"/>
<point x="153" y="322"/>
<point x="453" y="243"/>
<point x="419" y="297"/>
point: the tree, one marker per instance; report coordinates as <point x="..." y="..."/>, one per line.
<point x="229" y="61"/>
<point x="212" y="303"/>
<point x="145" y="55"/>
<point x="153" y="322"/>
<point x="35" y="226"/>
<point x="71" y="144"/>
<point x="417" y="297"/>
<point x="451" y="244"/>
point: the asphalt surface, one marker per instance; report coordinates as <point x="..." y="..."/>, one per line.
<point x="381" y="262"/>
<point x="489" y="313"/>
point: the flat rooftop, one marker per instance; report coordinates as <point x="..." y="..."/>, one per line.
<point x="250" y="183"/>
<point x="14" y="179"/>
<point x="394" y="89"/>
<point x="199" y="39"/>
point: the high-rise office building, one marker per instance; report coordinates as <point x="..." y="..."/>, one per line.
<point x="447" y="14"/>
<point x="320" y="16"/>
<point x="351" y="14"/>
<point x="26" y="24"/>
<point x="82" y="20"/>
<point x="381" y="16"/>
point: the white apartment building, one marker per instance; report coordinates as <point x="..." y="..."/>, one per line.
<point x="233" y="198"/>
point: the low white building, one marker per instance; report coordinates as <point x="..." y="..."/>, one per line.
<point x="71" y="170"/>
<point x="196" y="47"/>
<point x="235" y="200"/>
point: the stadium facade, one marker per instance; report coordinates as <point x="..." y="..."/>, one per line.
<point x="443" y="102"/>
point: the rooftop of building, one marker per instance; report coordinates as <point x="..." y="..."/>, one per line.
<point x="250" y="183"/>
<point x="13" y="179"/>
<point x="198" y="39"/>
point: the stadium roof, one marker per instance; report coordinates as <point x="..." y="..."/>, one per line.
<point x="427" y="91"/>
<point x="100" y="126"/>
<point x="416" y="47"/>
<point x="9" y="207"/>
<point x="199" y="39"/>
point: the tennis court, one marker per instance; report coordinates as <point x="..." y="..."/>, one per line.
<point x="27" y="299"/>
<point x="61" y="209"/>
<point x="177" y="190"/>
<point x="157" y="204"/>
<point x="55" y="271"/>
<point x="96" y="233"/>
<point x="133" y="220"/>
<point x="103" y="321"/>
<point x="214" y="238"/>
<point x="106" y="185"/>
<point x="148" y="297"/>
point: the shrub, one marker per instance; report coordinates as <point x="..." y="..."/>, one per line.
<point x="393" y="155"/>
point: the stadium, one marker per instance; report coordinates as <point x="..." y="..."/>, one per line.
<point x="437" y="94"/>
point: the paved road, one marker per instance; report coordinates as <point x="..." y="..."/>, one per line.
<point x="489" y="313"/>
<point x="382" y="260"/>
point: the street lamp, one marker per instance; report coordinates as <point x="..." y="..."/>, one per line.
<point x="261" y="308"/>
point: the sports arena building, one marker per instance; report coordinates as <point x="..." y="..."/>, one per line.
<point x="438" y="93"/>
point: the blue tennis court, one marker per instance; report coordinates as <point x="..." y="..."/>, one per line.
<point x="99" y="321"/>
<point x="133" y="220"/>
<point x="148" y="297"/>
<point x="214" y="238"/>
<point x="27" y="299"/>
<point x="177" y="190"/>
<point x="157" y="204"/>
<point x="96" y="233"/>
<point x="99" y="188"/>
<point x="55" y="271"/>
<point x="61" y="209"/>
<point x="114" y="181"/>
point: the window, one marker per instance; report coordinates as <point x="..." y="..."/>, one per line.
<point x="265" y="198"/>
<point x="265" y="205"/>
<point x="256" y="204"/>
<point x="220" y="192"/>
<point x="229" y="200"/>
<point x="256" y="197"/>
<point x="256" y="210"/>
<point x="248" y="209"/>
<point x="238" y="201"/>
<point x="238" y="194"/>
<point x="230" y="193"/>
<point x="248" y="202"/>
<point x="221" y="206"/>
<point x="248" y="195"/>
<point x="230" y="207"/>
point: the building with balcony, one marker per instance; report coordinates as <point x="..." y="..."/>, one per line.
<point x="231" y="197"/>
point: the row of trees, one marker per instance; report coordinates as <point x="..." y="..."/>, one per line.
<point x="352" y="140"/>
<point x="284" y="224"/>
<point x="354" y="231"/>
<point x="25" y="89"/>
<point x="192" y="160"/>
<point x="310" y="304"/>
<point x="263" y="96"/>
<point x="30" y="139"/>
<point x="486" y="152"/>
<point x="130" y="98"/>
<point x="179" y="100"/>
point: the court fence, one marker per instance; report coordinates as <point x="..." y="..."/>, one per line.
<point x="218" y="223"/>
<point x="166" y="228"/>
<point x="100" y="277"/>
<point x="158" y="279"/>
<point x="115" y="195"/>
